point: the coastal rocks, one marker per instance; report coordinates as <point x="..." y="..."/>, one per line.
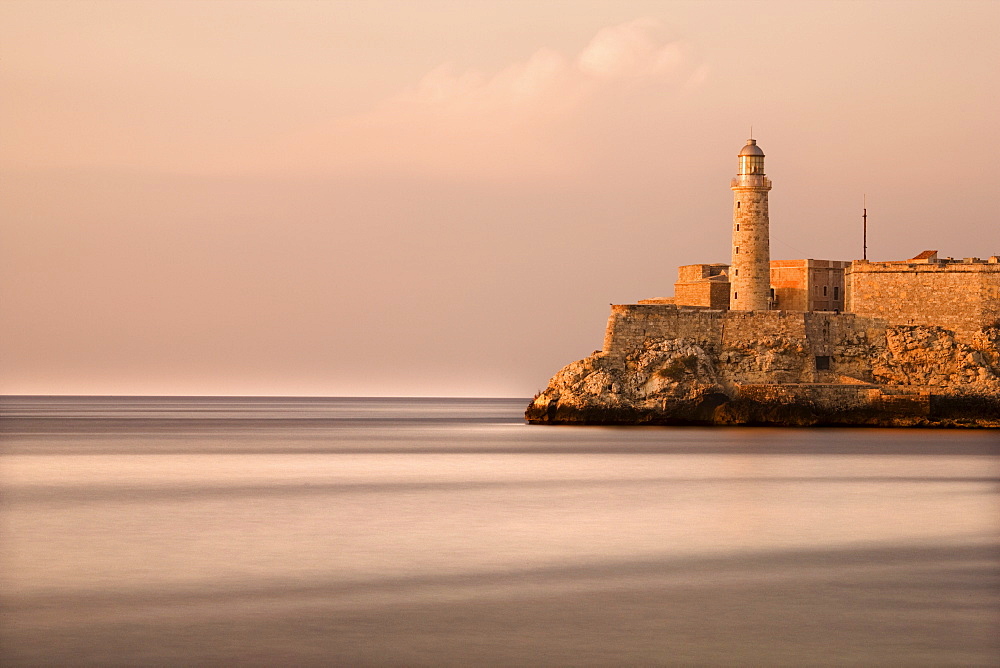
<point x="905" y="376"/>
<point x="931" y="356"/>
<point x="666" y="382"/>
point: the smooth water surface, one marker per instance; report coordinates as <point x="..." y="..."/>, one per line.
<point x="240" y="531"/>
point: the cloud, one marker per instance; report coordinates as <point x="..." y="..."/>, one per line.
<point x="523" y="121"/>
<point x="629" y="51"/>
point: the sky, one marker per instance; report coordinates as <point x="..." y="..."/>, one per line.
<point x="441" y="198"/>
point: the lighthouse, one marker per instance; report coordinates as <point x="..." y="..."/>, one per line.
<point x="750" y="270"/>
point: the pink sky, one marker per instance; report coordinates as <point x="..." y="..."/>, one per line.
<point x="442" y="198"/>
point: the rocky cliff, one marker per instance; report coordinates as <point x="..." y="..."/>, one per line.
<point x="672" y="367"/>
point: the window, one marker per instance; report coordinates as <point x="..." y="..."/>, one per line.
<point x="751" y="164"/>
<point x="822" y="362"/>
<point x="737" y="250"/>
<point x="824" y="291"/>
<point x="737" y="272"/>
<point x="737" y="205"/>
<point x="737" y="227"/>
<point x="736" y="295"/>
<point x="772" y="293"/>
<point x="836" y="292"/>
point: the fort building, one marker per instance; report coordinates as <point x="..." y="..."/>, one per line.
<point x="795" y="285"/>
<point x="795" y="342"/>
<point x="960" y="295"/>
<point x="808" y="285"/>
<point x="704" y="285"/>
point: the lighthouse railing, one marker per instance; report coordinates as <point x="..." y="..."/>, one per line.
<point x="751" y="181"/>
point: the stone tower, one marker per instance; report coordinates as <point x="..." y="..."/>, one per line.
<point x="750" y="270"/>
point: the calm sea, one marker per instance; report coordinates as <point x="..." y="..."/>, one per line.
<point x="306" y="532"/>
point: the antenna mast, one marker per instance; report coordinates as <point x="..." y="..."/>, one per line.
<point x="864" y="219"/>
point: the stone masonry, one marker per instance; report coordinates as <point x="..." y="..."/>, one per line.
<point x="661" y="364"/>
<point x="702" y="285"/>
<point x="917" y="344"/>
<point x="750" y="272"/>
<point x="960" y="296"/>
<point x="778" y="346"/>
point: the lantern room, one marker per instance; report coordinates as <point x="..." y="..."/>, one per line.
<point x="751" y="159"/>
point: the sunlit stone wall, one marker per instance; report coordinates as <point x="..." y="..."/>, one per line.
<point x="750" y="270"/>
<point x="958" y="296"/>
<point x="759" y="346"/>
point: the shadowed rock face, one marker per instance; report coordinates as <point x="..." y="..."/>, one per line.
<point x="915" y="376"/>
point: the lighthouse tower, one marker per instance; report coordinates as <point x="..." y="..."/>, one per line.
<point x="750" y="270"/>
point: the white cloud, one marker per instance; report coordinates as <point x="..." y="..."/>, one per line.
<point x="516" y="123"/>
<point x="630" y="50"/>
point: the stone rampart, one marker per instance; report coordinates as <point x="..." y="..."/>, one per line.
<point x="629" y="325"/>
<point x="759" y="346"/>
<point x="664" y="364"/>
<point x="960" y="297"/>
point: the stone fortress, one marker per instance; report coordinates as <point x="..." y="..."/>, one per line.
<point x="795" y="342"/>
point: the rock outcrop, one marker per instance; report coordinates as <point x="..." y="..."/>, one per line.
<point x="824" y="372"/>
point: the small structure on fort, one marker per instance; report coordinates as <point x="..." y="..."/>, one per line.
<point x="795" y="342"/>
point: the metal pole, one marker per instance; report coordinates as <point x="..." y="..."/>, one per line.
<point x="864" y="218"/>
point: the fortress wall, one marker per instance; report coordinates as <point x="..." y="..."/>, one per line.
<point x="773" y="367"/>
<point x="758" y="346"/>
<point x="744" y="327"/>
<point x="629" y="325"/>
<point x="853" y="342"/>
<point x="989" y="298"/>
<point x="961" y="297"/>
